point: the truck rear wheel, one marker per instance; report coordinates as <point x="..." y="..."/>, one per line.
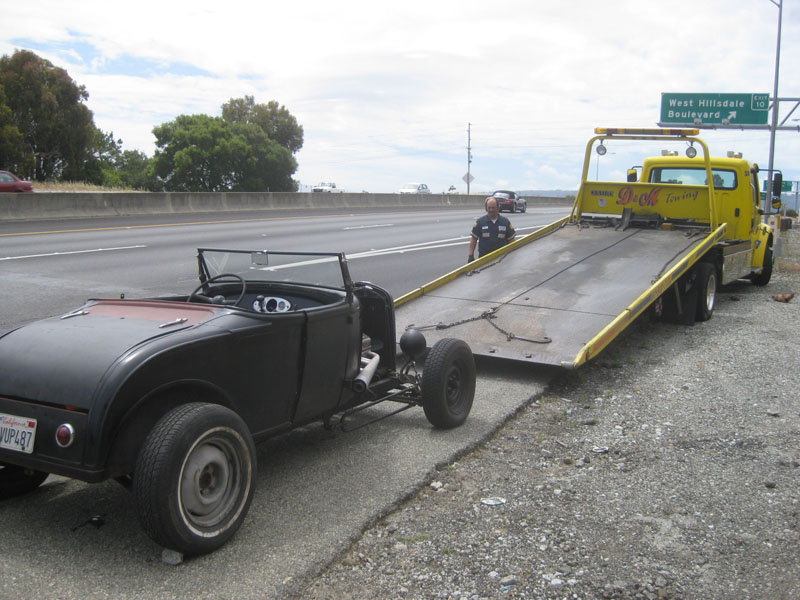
<point x="706" y="282"/>
<point x="193" y="481"/>
<point x="448" y="383"/>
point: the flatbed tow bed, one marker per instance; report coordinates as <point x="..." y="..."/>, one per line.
<point x="562" y="299"/>
<point x="562" y="294"/>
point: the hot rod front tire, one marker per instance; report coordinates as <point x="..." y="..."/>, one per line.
<point x="448" y="383"/>
<point x="194" y="477"/>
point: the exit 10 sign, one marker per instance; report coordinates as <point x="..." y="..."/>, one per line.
<point x="716" y="109"/>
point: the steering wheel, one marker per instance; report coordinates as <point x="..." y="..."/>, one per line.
<point x="219" y="299"/>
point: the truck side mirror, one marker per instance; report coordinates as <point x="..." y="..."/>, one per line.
<point x="632" y="176"/>
<point x="777" y="184"/>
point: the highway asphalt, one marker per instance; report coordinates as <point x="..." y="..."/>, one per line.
<point x="317" y="490"/>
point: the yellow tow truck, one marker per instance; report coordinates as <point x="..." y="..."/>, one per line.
<point x="664" y="240"/>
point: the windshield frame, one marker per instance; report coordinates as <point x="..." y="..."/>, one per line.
<point x="316" y="269"/>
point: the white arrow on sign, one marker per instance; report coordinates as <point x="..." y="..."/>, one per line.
<point x="467" y="178"/>
<point x="732" y="115"/>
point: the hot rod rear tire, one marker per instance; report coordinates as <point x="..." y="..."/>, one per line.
<point x="194" y="477"/>
<point x="15" y="480"/>
<point x="448" y="383"/>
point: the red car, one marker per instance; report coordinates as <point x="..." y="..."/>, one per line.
<point x="510" y="201"/>
<point x="11" y="183"/>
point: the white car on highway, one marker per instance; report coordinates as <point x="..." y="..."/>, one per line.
<point x="414" y="188"/>
<point x="326" y="188"/>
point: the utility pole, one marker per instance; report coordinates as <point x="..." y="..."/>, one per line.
<point x="469" y="154"/>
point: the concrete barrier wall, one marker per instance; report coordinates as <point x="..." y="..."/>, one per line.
<point x="64" y="205"/>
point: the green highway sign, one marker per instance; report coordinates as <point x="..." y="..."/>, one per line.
<point x="714" y="109"/>
<point x="786" y="186"/>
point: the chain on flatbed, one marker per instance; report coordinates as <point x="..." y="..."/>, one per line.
<point x="488" y="315"/>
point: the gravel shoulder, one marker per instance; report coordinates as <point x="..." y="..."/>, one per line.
<point x="668" y="468"/>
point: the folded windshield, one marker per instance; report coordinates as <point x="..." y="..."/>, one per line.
<point x="309" y="268"/>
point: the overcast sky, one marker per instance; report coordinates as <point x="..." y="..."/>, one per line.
<point x="385" y="90"/>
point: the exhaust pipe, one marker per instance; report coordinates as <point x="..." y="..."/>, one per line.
<point x="369" y="361"/>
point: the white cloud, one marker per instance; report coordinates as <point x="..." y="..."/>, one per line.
<point x="385" y="91"/>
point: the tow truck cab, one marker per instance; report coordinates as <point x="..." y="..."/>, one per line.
<point x="745" y="245"/>
<point x="735" y="187"/>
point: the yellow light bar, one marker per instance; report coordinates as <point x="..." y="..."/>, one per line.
<point x="644" y="131"/>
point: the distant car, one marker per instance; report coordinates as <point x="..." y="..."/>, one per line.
<point x="510" y="201"/>
<point x="414" y="188"/>
<point x="11" y="183"/>
<point x="326" y="188"/>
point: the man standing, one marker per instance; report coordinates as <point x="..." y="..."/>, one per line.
<point x="490" y="232"/>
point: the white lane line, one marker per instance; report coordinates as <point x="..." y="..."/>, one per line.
<point x="71" y="252"/>
<point x="375" y="252"/>
<point x="421" y="246"/>
<point x="404" y="249"/>
<point x="367" y="226"/>
<point x="380" y="252"/>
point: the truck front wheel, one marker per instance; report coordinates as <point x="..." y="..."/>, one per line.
<point x="706" y="291"/>
<point x="194" y="477"/>
<point x="766" y="272"/>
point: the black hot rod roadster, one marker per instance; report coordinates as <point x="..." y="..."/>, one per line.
<point x="169" y="395"/>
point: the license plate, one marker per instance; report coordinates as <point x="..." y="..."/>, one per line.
<point x="17" y="433"/>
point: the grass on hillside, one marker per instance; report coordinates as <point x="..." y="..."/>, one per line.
<point x="74" y="186"/>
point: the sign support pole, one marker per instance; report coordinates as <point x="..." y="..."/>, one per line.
<point x="774" y="125"/>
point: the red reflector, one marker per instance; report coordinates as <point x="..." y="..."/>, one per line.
<point x="65" y="435"/>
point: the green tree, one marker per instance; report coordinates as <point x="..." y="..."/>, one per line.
<point x="12" y="150"/>
<point x="273" y="119"/>
<point x="203" y="153"/>
<point x="194" y="154"/>
<point x="267" y="165"/>
<point x="100" y="166"/>
<point x="134" y="170"/>
<point x="47" y="108"/>
<point x="111" y="166"/>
